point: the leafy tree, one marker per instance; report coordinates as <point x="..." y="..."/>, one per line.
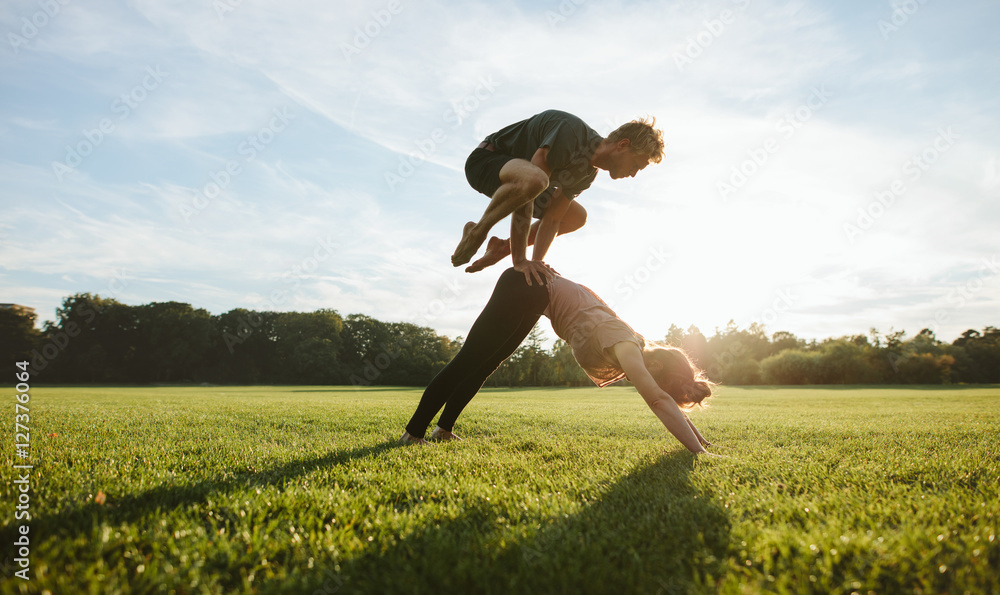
<point x="416" y="354"/>
<point x="696" y="346"/>
<point x="782" y="340"/>
<point x="675" y="336"/>
<point x="527" y="366"/>
<point x="91" y="340"/>
<point x="733" y="354"/>
<point x="308" y="346"/>
<point x="565" y="370"/>
<point x="367" y="347"/>
<point x="376" y="352"/>
<point x="313" y="360"/>
<point x="173" y="339"/>
<point x="894" y="340"/>
<point x="978" y="356"/>
<point x="20" y="337"/>
<point x="245" y="347"/>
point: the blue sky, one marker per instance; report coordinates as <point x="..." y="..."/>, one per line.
<point x="830" y="167"/>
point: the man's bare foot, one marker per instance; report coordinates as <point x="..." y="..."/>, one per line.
<point x="406" y="438"/>
<point x="496" y="250"/>
<point x="443" y="435"/>
<point x="470" y="243"/>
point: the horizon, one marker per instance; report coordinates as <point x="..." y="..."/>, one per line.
<point x="550" y="339"/>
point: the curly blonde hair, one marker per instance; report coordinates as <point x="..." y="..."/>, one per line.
<point x="642" y="137"/>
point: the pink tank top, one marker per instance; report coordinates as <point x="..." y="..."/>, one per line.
<point x="590" y="327"/>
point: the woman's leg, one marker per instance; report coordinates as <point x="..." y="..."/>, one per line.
<point x="511" y="313"/>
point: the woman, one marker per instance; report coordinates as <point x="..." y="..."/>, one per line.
<point x="604" y="346"/>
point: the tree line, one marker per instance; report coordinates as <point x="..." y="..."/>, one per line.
<point x="749" y="356"/>
<point x="99" y="340"/>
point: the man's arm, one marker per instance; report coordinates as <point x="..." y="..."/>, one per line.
<point x="662" y="404"/>
<point x="541" y="160"/>
<point x="548" y="226"/>
<point x="520" y="224"/>
<point x="520" y="221"/>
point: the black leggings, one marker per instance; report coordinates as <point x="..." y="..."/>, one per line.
<point x="509" y="316"/>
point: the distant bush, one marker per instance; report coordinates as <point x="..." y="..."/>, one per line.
<point x="791" y="367"/>
<point x="924" y="368"/>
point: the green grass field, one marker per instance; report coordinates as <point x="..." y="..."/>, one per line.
<point x="301" y="490"/>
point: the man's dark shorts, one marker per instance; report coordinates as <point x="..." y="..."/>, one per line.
<point x="482" y="169"/>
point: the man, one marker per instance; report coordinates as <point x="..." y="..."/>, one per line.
<point x="535" y="168"/>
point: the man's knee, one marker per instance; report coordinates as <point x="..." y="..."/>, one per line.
<point x="540" y="181"/>
<point x="529" y="179"/>
<point x="534" y="182"/>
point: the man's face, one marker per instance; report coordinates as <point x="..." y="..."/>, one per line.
<point x="625" y="162"/>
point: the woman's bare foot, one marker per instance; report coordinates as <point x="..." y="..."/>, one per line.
<point x="443" y="435"/>
<point x="496" y="250"/>
<point x="406" y="438"/>
<point x="467" y="248"/>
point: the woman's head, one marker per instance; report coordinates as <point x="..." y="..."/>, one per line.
<point x="677" y="375"/>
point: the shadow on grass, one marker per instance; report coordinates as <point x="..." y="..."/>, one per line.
<point x="357" y="389"/>
<point x="372" y="389"/>
<point x="135" y="507"/>
<point x="651" y="532"/>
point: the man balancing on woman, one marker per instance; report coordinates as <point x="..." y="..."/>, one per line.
<point x="536" y="167"/>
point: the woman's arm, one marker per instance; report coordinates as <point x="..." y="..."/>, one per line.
<point x="697" y="433"/>
<point x="662" y="404"/>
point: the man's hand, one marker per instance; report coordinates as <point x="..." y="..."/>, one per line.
<point x="541" y="272"/>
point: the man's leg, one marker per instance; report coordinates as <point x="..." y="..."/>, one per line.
<point x="498" y="249"/>
<point x="520" y="182"/>
<point x="506" y="320"/>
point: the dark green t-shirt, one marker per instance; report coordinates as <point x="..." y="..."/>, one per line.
<point x="571" y="144"/>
